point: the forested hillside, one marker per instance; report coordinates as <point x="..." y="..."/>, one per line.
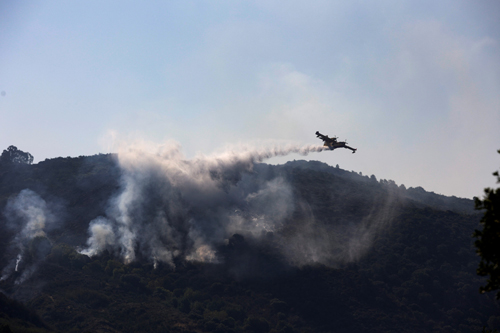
<point x="348" y="253"/>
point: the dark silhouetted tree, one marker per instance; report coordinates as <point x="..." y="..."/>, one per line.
<point x="488" y="239"/>
<point x="14" y="155"/>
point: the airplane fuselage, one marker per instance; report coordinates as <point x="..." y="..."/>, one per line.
<point x="332" y="143"/>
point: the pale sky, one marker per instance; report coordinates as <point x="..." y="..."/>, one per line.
<point x="414" y="85"/>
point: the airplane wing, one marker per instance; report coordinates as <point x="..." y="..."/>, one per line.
<point x="321" y="136"/>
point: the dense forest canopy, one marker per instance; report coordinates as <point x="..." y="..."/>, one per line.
<point x="299" y="247"/>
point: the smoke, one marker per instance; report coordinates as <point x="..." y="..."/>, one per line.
<point x="28" y="215"/>
<point x="18" y="259"/>
<point x="171" y="207"/>
<point x="102" y="237"/>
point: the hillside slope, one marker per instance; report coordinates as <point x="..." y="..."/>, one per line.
<point x="354" y="253"/>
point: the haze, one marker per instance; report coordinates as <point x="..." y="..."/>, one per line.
<point x="412" y="84"/>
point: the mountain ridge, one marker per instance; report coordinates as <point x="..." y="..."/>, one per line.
<point x="374" y="253"/>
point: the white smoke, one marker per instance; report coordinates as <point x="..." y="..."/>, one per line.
<point x="18" y="259"/>
<point x="102" y="237"/>
<point x="171" y="207"/>
<point x="29" y="216"/>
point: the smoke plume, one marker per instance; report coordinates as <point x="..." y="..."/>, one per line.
<point x="28" y="215"/>
<point x="171" y="207"/>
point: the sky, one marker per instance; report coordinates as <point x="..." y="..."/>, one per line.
<point x="413" y="85"/>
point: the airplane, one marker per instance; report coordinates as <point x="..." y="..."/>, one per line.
<point x="332" y="143"/>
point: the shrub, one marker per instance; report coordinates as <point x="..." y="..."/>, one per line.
<point x="209" y="326"/>
<point x="197" y="307"/>
<point x="93" y="266"/>
<point x="131" y="281"/>
<point x="216" y="316"/>
<point x="162" y="293"/>
<point x="215" y="305"/>
<point x="178" y="292"/>
<point x="64" y="255"/>
<point x="217" y="288"/>
<point x="185" y="305"/>
<point x="91" y="298"/>
<point x="112" y="265"/>
<point x="236" y="312"/>
<point x="117" y="273"/>
<point x="257" y="325"/>
<point x="175" y="302"/>
<point x="278" y="306"/>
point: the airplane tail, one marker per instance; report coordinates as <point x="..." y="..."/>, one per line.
<point x="353" y="149"/>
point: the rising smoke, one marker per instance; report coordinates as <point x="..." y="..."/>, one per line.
<point x="29" y="217"/>
<point x="171" y="207"/>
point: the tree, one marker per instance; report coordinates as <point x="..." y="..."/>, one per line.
<point x="488" y="240"/>
<point x="14" y="155"/>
